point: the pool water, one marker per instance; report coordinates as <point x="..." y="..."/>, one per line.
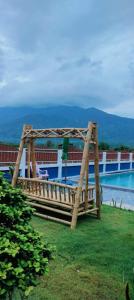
<point x="124" y="180"/>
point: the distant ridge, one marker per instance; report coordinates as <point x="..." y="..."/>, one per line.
<point x="113" y="129"/>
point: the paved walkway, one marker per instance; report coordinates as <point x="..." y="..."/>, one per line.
<point x="123" y="199"/>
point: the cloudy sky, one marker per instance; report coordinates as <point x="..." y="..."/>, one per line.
<point x="76" y="52"/>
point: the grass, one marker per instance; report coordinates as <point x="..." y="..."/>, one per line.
<point x="93" y="262"/>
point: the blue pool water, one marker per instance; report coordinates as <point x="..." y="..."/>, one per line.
<point x="124" y="180"/>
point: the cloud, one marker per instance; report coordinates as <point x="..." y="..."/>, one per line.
<point x="125" y="109"/>
<point x="71" y="52"/>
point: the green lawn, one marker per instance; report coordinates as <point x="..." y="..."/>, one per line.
<point x="93" y="262"/>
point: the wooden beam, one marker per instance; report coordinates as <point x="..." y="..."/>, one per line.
<point x="59" y="211"/>
<point x="88" y="211"/>
<point x="82" y="173"/>
<point x="48" y="201"/>
<point x="96" y="168"/>
<point x="17" y="165"/>
<point x="52" y="218"/>
<point x="79" y="133"/>
<point x="86" y="183"/>
<point x="74" y="188"/>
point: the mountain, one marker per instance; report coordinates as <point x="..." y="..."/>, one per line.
<point x="113" y="129"/>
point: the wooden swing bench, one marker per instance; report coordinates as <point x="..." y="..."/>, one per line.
<point x="57" y="201"/>
<point x="57" y="198"/>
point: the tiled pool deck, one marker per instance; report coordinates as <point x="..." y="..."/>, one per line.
<point x="120" y="198"/>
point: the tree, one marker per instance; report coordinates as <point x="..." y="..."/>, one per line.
<point x="23" y="256"/>
<point x="122" y="148"/>
<point x="49" y="144"/>
<point x="104" y="146"/>
<point x="65" y="148"/>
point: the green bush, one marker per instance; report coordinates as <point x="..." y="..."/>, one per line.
<point x="23" y="256"/>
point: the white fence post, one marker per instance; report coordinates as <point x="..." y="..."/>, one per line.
<point x="23" y="163"/>
<point x="104" y="160"/>
<point x="59" y="163"/>
<point x="131" y="160"/>
<point x="119" y="160"/>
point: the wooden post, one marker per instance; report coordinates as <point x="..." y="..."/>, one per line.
<point x="33" y="158"/>
<point x="86" y="183"/>
<point x="82" y="173"/>
<point x="96" y="166"/>
<point x="17" y="165"/>
<point x="28" y="159"/>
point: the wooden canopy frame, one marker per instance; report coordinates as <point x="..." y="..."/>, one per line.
<point x="89" y="135"/>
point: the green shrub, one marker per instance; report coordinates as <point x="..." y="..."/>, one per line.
<point x="23" y="256"/>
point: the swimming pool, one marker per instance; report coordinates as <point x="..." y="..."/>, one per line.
<point x="119" y="188"/>
<point x="121" y="180"/>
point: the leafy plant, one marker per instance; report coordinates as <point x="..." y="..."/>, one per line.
<point x="65" y="148"/>
<point x="11" y="170"/>
<point x="104" y="146"/>
<point x="23" y="255"/>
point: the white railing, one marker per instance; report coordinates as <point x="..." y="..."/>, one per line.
<point x="48" y="157"/>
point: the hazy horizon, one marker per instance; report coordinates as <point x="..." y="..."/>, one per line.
<point x="36" y="106"/>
